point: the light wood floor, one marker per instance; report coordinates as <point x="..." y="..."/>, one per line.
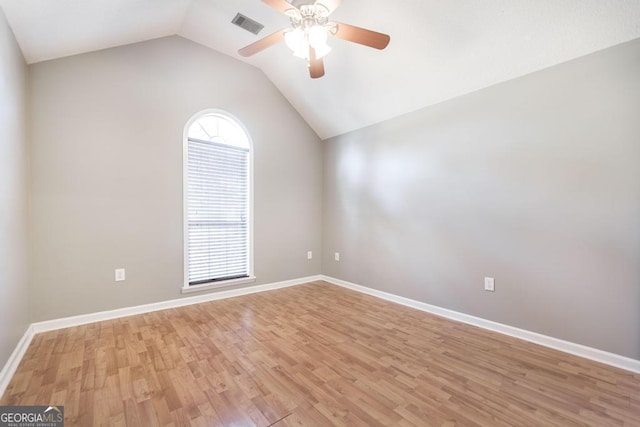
<point x="312" y="355"/>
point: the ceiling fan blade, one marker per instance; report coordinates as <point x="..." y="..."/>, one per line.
<point x="262" y="44"/>
<point x="280" y="5"/>
<point x="331" y="5"/>
<point x="316" y="65"/>
<point x="361" y="36"/>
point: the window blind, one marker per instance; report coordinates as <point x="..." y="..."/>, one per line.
<point x="217" y="211"/>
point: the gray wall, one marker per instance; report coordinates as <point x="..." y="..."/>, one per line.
<point x="535" y="182"/>
<point x="106" y="186"/>
<point x="14" y="303"/>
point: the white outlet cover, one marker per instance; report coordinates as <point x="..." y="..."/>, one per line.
<point x="337" y="256"/>
<point x="309" y="255"/>
<point x="120" y="274"/>
<point x="489" y="284"/>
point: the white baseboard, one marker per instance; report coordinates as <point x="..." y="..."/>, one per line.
<point x="14" y="360"/>
<point x="49" y="325"/>
<point x="601" y="356"/>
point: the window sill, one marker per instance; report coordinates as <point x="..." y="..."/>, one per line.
<point x="217" y="285"/>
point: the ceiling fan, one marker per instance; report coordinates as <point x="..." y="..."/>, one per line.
<point x="310" y="28"/>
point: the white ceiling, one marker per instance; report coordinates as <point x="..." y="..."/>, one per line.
<point x="439" y="48"/>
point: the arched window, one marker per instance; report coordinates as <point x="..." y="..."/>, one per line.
<point x="217" y="163"/>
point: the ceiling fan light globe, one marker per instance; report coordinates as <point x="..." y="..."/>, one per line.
<point x="294" y="39"/>
<point x="317" y="36"/>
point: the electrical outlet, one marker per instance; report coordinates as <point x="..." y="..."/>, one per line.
<point x="119" y="274"/>
<point x="489" y="284"/>
<point x="309" y="255"/>
<point x="337" y="256"/>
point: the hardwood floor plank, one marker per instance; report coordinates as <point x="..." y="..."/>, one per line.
<point x="315" y="355"/>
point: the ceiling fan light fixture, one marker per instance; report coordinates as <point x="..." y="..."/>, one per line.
<point x="308" y="30"/>
<point x="317" y="35"/>
<point x="296" y="40"/>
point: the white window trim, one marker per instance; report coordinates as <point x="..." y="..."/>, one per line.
<point x="185" y="226"/>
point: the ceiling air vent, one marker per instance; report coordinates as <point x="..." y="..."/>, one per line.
<point x="247" y="23"/>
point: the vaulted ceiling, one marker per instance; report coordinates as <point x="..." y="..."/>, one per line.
<point x="439" y="49"/>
